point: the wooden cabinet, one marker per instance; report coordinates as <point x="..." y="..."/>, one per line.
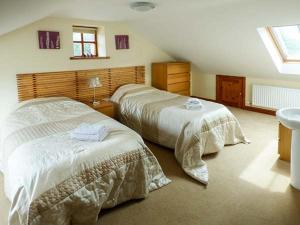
<point x="172" y="76"/>
<point x="230" y="90"/>
<point x="105" y="107"/>
<point x="284" y="143"/>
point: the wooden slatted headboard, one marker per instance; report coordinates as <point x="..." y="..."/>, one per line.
<point x="74" y="84"/>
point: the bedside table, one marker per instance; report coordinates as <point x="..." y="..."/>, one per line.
<point x="105" y="107"/>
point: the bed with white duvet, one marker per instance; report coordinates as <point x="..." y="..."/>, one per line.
<point x="53" y="179"/>
<point x="162" y="117"/>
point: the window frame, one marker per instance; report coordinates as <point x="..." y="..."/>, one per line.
<point x="277" y="44"/>
<point x="82" y="42"/>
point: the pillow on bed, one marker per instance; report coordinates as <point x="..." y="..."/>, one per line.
<point x="121" y="90"/>
<point x="20" y="104"/>
<point x="44" y="99"/>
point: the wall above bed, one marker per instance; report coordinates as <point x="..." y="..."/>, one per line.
<point x="20" y="54"/>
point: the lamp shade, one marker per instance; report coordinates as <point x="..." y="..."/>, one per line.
<point x="94" y="82"/>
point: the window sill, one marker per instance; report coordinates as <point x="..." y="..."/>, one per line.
<point x="98" y="57"/>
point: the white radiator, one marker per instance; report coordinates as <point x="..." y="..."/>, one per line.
<point x="275" y="97"/>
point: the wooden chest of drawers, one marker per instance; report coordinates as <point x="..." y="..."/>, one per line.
<point x="172" y="76"/>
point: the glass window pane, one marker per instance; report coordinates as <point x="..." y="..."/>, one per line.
<point x="89" y="49"/>
<point x="77" y="49"/>
<point x="289" y="40"/>
<point x="88" y="37"/>
<point x="76" y="36"/>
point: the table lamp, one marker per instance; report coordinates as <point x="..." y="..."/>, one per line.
<point x="95" y="82"/>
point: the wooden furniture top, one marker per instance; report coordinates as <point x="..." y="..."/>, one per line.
<point x="168" y="68"/>
<point x="74" y="84"/>
<point x="102" y="104"/>
<point x="172" y="62"/>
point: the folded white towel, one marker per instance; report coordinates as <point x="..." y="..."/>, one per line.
<point x="193" y="107"/>
<point x="193" y="103"/>
<point x="87" y="132"/>
<point x="89" y="129"/>
<point x="89" y="137"/>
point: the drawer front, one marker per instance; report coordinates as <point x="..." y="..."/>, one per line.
<point x="109" y="111"/>
<point x="177" y="78"/>
<point x="174" y="68"/>
<point x="178" y="87"/>
<point x="185" y="93"/>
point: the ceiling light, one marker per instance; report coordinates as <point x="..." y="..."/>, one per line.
<point x="142" y="6"/>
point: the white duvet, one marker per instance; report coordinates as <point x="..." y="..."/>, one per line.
<point x="53" y="179"/>
<point x="161" y="117"/>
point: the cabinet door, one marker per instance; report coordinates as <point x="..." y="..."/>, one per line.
<point x="284" y="143"/>
<point x="231" y="90"/>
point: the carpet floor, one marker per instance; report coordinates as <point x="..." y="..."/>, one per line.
<point x="248" y="184"/>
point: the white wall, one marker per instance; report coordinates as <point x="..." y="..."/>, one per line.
<point x="19" y="53"/>
<point x="204" y="85"/>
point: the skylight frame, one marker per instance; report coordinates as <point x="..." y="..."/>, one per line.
<point x="285" y="58"/>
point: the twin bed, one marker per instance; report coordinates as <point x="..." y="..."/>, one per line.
<point x="161" y="117"/>
<point x="53" y="179"/>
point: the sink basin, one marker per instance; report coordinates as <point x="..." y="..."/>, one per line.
<point x="290" y="118"/>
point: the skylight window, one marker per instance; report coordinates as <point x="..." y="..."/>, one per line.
<point x="287" y="40"/>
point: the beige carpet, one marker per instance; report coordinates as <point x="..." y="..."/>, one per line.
<point x="247" y="185"/>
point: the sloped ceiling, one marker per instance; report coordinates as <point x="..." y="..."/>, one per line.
<point x="217" y="36"/>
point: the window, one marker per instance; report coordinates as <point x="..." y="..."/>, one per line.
<point x="283" y="45"/>
<point x="287" y="40"/>
<point x="85" y="42"/>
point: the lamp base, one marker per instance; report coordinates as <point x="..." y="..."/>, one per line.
<point x="96" y="102"/>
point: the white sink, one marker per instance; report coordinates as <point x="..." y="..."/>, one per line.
<point x="290" y="118"/>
